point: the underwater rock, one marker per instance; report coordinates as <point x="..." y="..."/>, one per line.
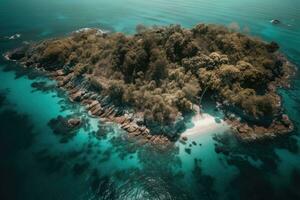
<point x="281" y="126"/>
<point x="74" y="122"/>
<point x="184" y="138"/>
<point x="76" y="96"/>
<point x="17" y="53"/>
<point x="188" y="150"/>
<point x="220" y="149"/>
<point x="275" y="21"/>
<point x="65" y="127"/>
<point x="80" y="168"/>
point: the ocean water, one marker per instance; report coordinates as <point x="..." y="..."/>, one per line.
<point x="97" y="161"/>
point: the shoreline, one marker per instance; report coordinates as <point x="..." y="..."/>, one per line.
<point x="203" y="122"/>
<point x="76" y="81"/>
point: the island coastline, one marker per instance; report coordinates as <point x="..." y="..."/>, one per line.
<point x="98" y="105"/>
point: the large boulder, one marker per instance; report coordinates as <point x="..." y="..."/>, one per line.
<point x="74" y="122"/>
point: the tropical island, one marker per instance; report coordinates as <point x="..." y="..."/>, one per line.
<point x="151" y="81"/>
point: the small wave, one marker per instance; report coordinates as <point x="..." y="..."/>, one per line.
<point x="13" y="37"/>
<point x="99" y="31"/>
<point x="6" y="56"/>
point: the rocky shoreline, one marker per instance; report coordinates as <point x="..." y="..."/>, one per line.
<point x="97" y="106"/>
<point x="247" y="133"/>
<point x="280" y="126"/>
<point x="57" y="59"/>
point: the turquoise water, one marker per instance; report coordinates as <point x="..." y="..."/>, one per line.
<point x="37" y="164"/>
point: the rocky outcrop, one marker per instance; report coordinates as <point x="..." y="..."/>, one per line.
<point x="97" y="106"/>
<point x="16" y="54"/>
<point x="74" y="122"/>
<point x="248" y="133"/>
<point x="65" y="127"/>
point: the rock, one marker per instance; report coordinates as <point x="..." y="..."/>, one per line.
<point x="142" y="141"/>
<point x="17" y="54"/>
<point x="104" y="113"/>
<point x="92" y="108"/>
<point x="259" y="130"/>
<point x="66" y="79"/>
<point x="120" y="120"/>
<point x="95" y="109"/>
<point x="112" y="116"/>
<point x="98" y="111"/>
<point x="142" y="129"/>
<point x="152" y="138"/>
<point x="131" y="128"/>
<point x="272" y="47"/>
<point x="109" y="111"/>
<point x="182" y="142"/>
<point x="60" y="72"/>
<point x="146" y="132"/>
<point x="76" y="96"/>
<point x="86" y="102"/>
<point x="94" y="96"/>
<point x="93" y="104"/>
<point x="74" y="122"/>
<point x="188" y="150"/>
<point x="85" y="96"/>
<point x="156" y="140"/>
<point x="184" y="138"/>
<point x="244" y="128"/>
<point x="137" y="133"/>
<point x="275" y="21"/>
<point x="219" y="149"/>
<point x="125" y="125"/>
<point x="64" y="127"/>
<point x="285" y="120"/>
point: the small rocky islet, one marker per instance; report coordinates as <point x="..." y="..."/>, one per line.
<point x="150" y="81"/>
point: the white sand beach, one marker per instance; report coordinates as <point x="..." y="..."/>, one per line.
<point x="203" y="123"/>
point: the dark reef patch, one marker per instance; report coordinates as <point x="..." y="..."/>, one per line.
<point x="188" y="150"/>
<point x="30" y="73"/>
<point x="16" y="134"/>
<point x="50" y="163"/>
<point x="61" y="126"/>
<point x="253" y="180"/>
<point x="80" y="168"/>
<point x="103" y="187"/>
<point x="43" y="86"/>
<point x="204" y="183"/>
<point x="2" y="98"/>
<point x="228" y="145"/>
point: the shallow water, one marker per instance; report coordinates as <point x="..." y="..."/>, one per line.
<point x="97" y="162"/>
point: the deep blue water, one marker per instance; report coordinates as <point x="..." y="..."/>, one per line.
<point x="35" y="163"/>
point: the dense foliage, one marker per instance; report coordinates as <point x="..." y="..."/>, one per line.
<point x="162" y="71"/>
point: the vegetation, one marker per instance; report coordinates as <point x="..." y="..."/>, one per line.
<point x="163" y="71"/>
